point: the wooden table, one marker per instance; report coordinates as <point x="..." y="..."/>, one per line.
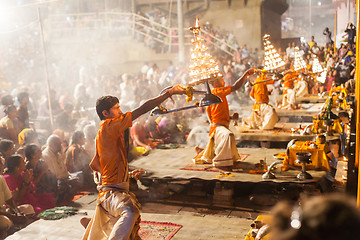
<point x="281" y="133"/>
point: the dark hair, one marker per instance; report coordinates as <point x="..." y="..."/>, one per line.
<point x="12" y="162"/>
<point x="105" y="103"/>
<point x="22" y="95"/>
<point x="8" y="109"/>
<point x="333" y="216"/>
<point x="7" y="100"/>
<point x="5" y="145"/>
<point x="30" y="150"/>
<point x="76" y="137"/>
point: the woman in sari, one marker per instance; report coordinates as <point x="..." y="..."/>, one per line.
<point x="22" y="188"/>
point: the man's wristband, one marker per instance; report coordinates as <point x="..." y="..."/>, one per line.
<point x="167" y="93"/>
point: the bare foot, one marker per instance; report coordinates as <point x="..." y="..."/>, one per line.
<point x="85" y="221"/>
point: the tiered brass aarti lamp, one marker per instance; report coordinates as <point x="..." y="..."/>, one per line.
<point x="299" y="63"/>
<point x="273" y="60"/>
<point x="202" y="70"/>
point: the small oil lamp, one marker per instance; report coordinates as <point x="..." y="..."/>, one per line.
<point x="303" y="158"/>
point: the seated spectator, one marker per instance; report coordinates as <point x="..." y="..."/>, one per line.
<point x="54" y="158"/>
<point x="330" y="217"/>
<point x="21" y="151"/>
<point x="140" y="136"/>
<point x="8" y="128"/>
<point x="23" y="190"/>
<point x="44" y="180"/>
<point x="170" y="132"/>
<point x="90" y="132"/>
<point x="152" y="128"/>
<point x="64" y="120"/>
<point x="13" y="215"/>
<point x="23" y="116"/>
<point x="7" y="148"/>
<point x="64" y="142"/>
<point x="77" y="160"/>
<point x="28" y="136"/>
<point x="6" y="100"/>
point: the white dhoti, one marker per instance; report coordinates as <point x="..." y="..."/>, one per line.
<point x="116" y="217"/>
<point x="289" y="98"/>
<point x="263" y="116"/>
<point x="221" y="149"/>
<point x="301" y="89"/>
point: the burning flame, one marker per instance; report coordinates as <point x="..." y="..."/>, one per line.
<point x="197" y="22"/>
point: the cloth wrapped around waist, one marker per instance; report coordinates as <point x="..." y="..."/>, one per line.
<point x="214" y="125"/>
<point x="106" y="191"/>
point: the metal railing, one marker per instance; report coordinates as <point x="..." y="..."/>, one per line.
<point x="120" y="24"/>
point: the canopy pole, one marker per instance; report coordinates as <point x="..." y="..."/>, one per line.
<point x="46" y="71"/>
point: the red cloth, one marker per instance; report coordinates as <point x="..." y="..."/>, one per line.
<point x="39" y="201"/>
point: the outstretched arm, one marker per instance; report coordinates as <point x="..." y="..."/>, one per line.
<point x="151" y="103"/>
<point x="242" y="79"/>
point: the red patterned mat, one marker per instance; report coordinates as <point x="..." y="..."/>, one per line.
<point x="210" y="168"/>
<point x="158" y="230"/>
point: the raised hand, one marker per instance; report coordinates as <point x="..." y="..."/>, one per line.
<point x="178" y="89"/>
<point x="28" y="176"/>
<point x="251" y="71"/>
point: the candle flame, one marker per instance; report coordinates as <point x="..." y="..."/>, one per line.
<point x="197" y="22"/>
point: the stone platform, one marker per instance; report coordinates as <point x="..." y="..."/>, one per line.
<point x="197" y="200"/>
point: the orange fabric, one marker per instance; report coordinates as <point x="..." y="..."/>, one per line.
<point x="338" y="89"/>
<point x="111" y="150"/>
<point x="256" y="106"/>
<point x="289" y="79"/>
<point x="260" y="92"/>
<point x="319" y="159"/>
<point x="219" y="113"/>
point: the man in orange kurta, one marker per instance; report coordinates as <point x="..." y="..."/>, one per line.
<point x="263" y="115"/>
<point x="221" y="150"/>
<point x="289" y="100"/>
<point x="117" y="213"/>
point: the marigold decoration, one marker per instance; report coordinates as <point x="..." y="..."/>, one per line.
<point x="272" y="58"/>
<point x="203" y="67"/>
<point x="299" y="63"/>
<point x="189" y="93"/>
<point x="316" y="66"/>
